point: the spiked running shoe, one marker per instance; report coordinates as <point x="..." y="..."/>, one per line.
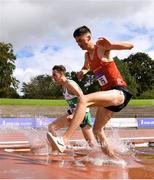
<point x="57" y="141"/>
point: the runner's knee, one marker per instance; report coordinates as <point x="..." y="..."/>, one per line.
<point x="118" y="99"/>
<point x="51" y="127"/>
<point x="83" y="100"/>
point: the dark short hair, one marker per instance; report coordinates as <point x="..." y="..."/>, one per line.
<point x="81" y="30"/>
<point x="59" y="68"/>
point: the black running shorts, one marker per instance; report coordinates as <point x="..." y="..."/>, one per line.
<point x="127" y="95"/>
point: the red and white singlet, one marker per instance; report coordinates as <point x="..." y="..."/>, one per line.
<point x="106" y="73"/>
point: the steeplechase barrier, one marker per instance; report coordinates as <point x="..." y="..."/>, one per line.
<point x="40" y="122"/>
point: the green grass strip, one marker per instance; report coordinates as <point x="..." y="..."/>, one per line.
<point x="141" y="102"/>
<point x="62" y="102"/>
<point x="38" y="102"/>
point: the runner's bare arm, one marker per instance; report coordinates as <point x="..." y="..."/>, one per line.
<point x="121" y="46"/>
<point x="107" y="45"/>
<point x="84" y="69"/>
<point x="73" y="89"/>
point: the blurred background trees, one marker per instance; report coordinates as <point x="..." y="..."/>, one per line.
<point x="137" y="70"/>
<point x="141" y="67"/>
<point x="41" y="87"/>
<point x="8" y="84"/>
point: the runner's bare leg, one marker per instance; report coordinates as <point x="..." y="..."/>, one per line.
<point x="88" y="135"/>
<point x="59" y="123"/>
<point x="102" y="99"/>
<point x="103" y="115"/>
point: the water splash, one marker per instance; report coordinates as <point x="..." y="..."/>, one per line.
<point x="35" y="136"/>
<point x="38" y="141"/>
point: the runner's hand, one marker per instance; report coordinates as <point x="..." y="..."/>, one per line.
<point x="70" y="116"/>
<point x="80" y="75"/>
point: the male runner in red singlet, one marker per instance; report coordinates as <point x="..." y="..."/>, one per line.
<point x="114" y="95"/>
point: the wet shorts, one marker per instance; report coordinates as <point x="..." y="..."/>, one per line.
<point x="86" y="121"/>
<point x="127" y="95"/>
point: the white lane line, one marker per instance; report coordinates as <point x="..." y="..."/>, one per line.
<point x="14" y="142"/>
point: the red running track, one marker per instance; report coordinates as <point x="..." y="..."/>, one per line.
<point x="30" y="166"/>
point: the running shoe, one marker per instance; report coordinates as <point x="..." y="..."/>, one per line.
<point x="57" y="141"/>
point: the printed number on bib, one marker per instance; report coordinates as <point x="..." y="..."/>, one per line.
<point x="101" y="78"/>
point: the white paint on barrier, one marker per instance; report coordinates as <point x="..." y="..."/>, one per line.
<point x="122" y="122"/>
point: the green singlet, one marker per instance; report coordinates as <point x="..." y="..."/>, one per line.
<point x="72" y="101"/>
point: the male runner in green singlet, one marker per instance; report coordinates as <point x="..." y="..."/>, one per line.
<point x="71" y="92"/>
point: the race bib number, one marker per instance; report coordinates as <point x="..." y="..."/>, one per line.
<point x="101" y="78"/>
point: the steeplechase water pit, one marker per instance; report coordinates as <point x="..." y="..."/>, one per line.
<point x="25" y="152"/>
